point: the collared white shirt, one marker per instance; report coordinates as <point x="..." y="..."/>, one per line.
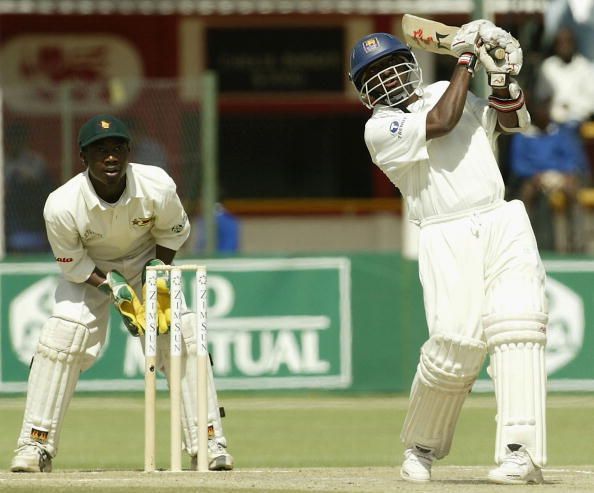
<point x="84" y="231"/>
<point x="449" y="174"/>
<point x="571" y="86"/>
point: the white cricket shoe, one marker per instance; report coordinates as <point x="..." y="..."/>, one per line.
<point x="31" y="458"/>
<point x="516" y="468"/>
<point x="417" y="465"/>
<point x="218" y="457"/>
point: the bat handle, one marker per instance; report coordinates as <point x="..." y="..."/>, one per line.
<point x="498" y="53"/>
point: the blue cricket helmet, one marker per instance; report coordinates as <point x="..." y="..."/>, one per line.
<point x="375" y="90"/>
<point x="371" y="48"/>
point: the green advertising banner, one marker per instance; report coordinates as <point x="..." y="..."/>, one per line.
<point x="351" y="322"/>
<point x="273" y="323"/>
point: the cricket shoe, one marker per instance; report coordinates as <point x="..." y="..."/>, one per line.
<point x="516" y="468"/>
<point x="31" y="458"/>
<point x="218" y="457"/>
<point x="417" y="465"/>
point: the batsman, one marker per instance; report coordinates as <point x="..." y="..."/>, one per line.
<point x="104" y="226"/>
<point x="479" y="265"/>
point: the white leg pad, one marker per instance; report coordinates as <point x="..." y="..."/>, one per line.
<point x="517" y="352"/>
<point x="189" y="385"/>
<point x="54" y="373"/>
<point x="447" y="369"/>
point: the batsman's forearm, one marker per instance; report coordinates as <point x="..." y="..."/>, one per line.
<point x="446" y="114"/>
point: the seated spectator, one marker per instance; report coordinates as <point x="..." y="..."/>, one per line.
<point x="566" y="78"/>
<point x="227" y="226"/>
<point x="27" y="183"/>
<point x="147" y="149"/>
<point x="549" y="165"/>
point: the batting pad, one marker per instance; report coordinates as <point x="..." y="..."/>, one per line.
<point x="517" y="352"/>
<point x="189" y="388"/>
<point x="53" y="377"/>
<point x="448" y="367"/>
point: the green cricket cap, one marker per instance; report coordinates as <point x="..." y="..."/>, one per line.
<point x="101" y="127"/>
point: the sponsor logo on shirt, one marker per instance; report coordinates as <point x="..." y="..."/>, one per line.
<point x="178" y="228"/>
<point x="397" y="127"/>
<point x="64" y="260"/>
<point x="142" y="222"/>
<point x="89" y="234"/>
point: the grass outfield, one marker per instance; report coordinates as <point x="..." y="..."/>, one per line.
<point x="300" y="442"/>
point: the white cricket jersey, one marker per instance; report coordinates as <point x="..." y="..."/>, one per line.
<point x="84" y="231"/>
<point x="442" y="176"/>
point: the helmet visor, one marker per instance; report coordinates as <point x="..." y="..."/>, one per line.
<point x="390" y="81"/>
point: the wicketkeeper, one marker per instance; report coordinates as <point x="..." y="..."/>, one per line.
<point x="482" y="277"/>
<point x="104" y="226"/>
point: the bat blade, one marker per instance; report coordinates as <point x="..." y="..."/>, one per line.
<point x="428" y="35"/>
<point x="434" y="36"/>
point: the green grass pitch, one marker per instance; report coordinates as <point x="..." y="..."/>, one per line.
<point x="275" y="434"/>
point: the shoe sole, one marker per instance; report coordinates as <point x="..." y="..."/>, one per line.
<point x="27" y="467"/>
<point x="413" y="480"/>
<point x="220" y="464"/>
<point x="537" y="479"/>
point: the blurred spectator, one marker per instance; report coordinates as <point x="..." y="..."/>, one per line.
<point x="578" y="15"/>
<point x="227" y="226"/>
<point x="548" y="166"/>
<point x="145" y="148"/>
<point x="27" y="185"/>
<point x="567" y="79"/>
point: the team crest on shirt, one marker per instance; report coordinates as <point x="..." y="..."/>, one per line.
<point x="142" y="222"/>
<point x="89" y="235"/>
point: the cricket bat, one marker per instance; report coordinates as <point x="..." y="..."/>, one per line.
<point x="434" y="36"/>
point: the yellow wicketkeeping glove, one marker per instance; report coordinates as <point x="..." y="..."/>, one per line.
<point x="127" y="303"/>
<point x="163" y="297"/>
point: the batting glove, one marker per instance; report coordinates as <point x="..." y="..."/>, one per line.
<point x="126" y="302"/>
<point x="467" y="38"/>
<point x="494" y="37"/>
<point x="163" y="296"/>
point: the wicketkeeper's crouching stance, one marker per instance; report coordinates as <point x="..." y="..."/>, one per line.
<point x="105" y="225"/>
<point x="482" y="277"/>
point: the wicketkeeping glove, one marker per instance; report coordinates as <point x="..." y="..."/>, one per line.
<point x="126" y="302"/>
<point x="163" y="297"/>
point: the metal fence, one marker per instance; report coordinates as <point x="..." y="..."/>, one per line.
<point x="173" y="124"/>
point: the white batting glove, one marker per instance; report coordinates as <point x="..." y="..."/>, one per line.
<point x="466" y="39"/>
<point x="493" y="37"/>
<point x="514" y="57"/>
<point x="497" y="70"/>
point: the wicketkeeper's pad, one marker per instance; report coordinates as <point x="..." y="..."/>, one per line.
<point x="54" y="374"/>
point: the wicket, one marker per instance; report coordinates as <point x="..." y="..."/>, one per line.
<point x="175" y="371"/>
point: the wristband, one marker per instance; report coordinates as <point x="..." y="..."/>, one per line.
<point x="506" y="105"/>
<point x="469" y="60"/>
